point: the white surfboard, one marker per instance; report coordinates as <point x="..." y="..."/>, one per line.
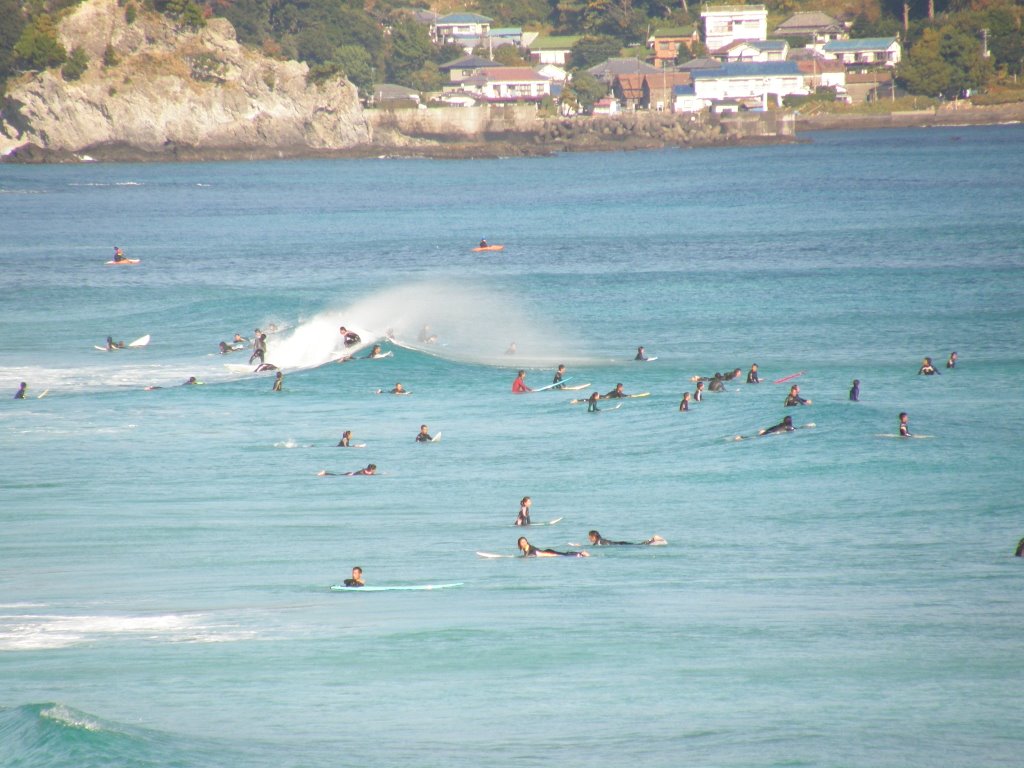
<point x="142" y="341"/>
<point x="491" y="555"/>
<point x="436" y="438"/>
<point x="394" y="588"/>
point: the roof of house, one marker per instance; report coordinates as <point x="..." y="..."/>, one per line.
<point x="683" y="90"/>
<point x="608" y="69"/>
<point x="862" y="44"/>
<point x="704" y="62"/>
<point x="506" y="31"/>
<point x="672" y="32"/>
<point x="760" y="45"/>
<point x="631" y="86"/>
<point x="468" y="62"/>
<point x="806" y="21"/>
<point x="505" y="75"/>
<point x="464" y="18"/>
<point x="554" y="42"/>
<point x="667" y="79"/>
<point x="385" y="91"/>
<point x="749" y="69"/>
<point x="820" y="66"/>
<point x="732" y="9"/>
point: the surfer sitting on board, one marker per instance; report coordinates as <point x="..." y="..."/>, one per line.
<point x="951" y="363"/>
<point x="519" y="385"/>
<point x="599" y="541"/>
<point x="640" y="354"/>
<point x="118" y="254"/>
<point x="786" y="425"/>
<point x="523" y="518"/>
<point x="752" y="377"/>
<point x="357" y="578"/>
<point x="20" y="394"/>
<point x="904" y="425"/>
<point x="793" y="398"/>
<point x="111" y="344"/>
<point x="346" y="439"/>
<point x="717" y="384"/>
<point x="424" y="435"/>
<point x="855" y="391"/>
<point x="927" y="369"/>
<point x="483" y="244"/>
<point x="398" y="389"/>
<point x="615" y="393"/>
<point x="529" y="550"/>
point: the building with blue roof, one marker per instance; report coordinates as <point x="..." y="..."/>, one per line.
<point x="466" y="29"/>
<point x="750" y="81"/>
<point x="865" y="52"/>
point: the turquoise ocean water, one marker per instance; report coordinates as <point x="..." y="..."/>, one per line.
<point x="827" y="597"/>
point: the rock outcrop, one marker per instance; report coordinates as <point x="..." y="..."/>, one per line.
<point x="173" y="89"/>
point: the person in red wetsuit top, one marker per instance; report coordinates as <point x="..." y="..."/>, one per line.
<point x="519" y="385"/>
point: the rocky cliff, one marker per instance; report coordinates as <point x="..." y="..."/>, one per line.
<point x="173" y="90"/>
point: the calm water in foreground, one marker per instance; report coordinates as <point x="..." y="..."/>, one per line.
<point x="828" y="597"/>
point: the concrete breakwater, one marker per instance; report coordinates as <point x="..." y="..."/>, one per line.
<point x="522" y="128"/>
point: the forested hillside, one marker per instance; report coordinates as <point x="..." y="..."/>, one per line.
<point x="381" y="40"/>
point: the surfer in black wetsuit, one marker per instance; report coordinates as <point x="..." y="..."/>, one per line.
<point x="615" y="393"/>
<point x="592" y="403"/>
<point x="599" y="541"/>
<point x="855" y="391"/>
<point x="357" y="578"/>
<point x="483" y="244"/>
<point x="264" y="367"/>
<point x="529" y="550"/>
<point x="904" y="425"/>
<point x="793" y="398"/>
<point x="348" y="337"/>
<point x="370" y="469"/>
<point x="1020" y="549"/>
<point x="640" y="354"/>
<point x="684" y="404"/>
<point x="951" y="363"/>
<point x="698" y="393"/>
<point x="559" y="375"/>
<point x="752" y="377"/>
<point x="786" y="425"/>
<point x="717" y="384"/>
<point x="346" y="438"/>
<point x="424" y="435"/>
<point x="523" y="518"/>
<point x="20" y="394"/>
<point x="375" y="352"/>
<point x="927" y="369"/>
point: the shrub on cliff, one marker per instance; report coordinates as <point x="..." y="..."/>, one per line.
<point x="38" y="47"/>
<point x="76" y="64"/>
<point x="594" y="49"/>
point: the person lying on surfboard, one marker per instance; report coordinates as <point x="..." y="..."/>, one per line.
<point x="370" y="469"/>
<point x="529" y="550"/>
<point x="519" y="385"/>
<point x="375" y="352"/>
<point x="592" y="402"/>
<point x="424" y="436"/>
<point x="523" y="518"/>
<point x="357" y="578"/>
<point x="599" y="541"/>
<point x="786" y="425"/>
<point x="615" y="393"/>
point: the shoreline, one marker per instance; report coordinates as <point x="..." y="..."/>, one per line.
<point x="525" y="144"/>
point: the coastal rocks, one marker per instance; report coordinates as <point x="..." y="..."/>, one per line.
<point x="167" y="90"/>
<point x="632" y="131"/>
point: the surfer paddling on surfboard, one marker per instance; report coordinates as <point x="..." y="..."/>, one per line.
<point x="529" y="550"/>
<point x="786" y="425"/>
<point x="357" y="578"/>
<point x="597" y="540"/>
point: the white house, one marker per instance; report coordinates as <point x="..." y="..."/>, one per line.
<point x="818" y="26"/>
<point x="685" y="99"/>
<point x="551" y="72"/>
<point x="757" y="50"/>
<point x="507" y="84"/>
<point x="749" y="81"/>
<point x="725" y="24"/>
<point x="466" y="29"/>
<point x="553" y="49"/>
<point x="865" y="52"/>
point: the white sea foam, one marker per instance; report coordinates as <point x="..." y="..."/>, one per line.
<point x="30" y="632"/>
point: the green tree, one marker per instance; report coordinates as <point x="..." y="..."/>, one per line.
<point x="509" y="56"/>
<point x="587" y="89"/>
<point x="923" y="70"/>
<point x="38" y="47"/>
<point x="410" y="50"/>
<point x="695" y="51"/>
<point x="12" y="24"/>
<point x="76" y="64"/>
<point x="357" y="66"/>
<point x="515" y="12"/>
<point x="594" y="49"/>
<point x="945" y="62"/>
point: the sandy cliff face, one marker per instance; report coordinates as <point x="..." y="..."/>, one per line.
<point x="175" y="88"/>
